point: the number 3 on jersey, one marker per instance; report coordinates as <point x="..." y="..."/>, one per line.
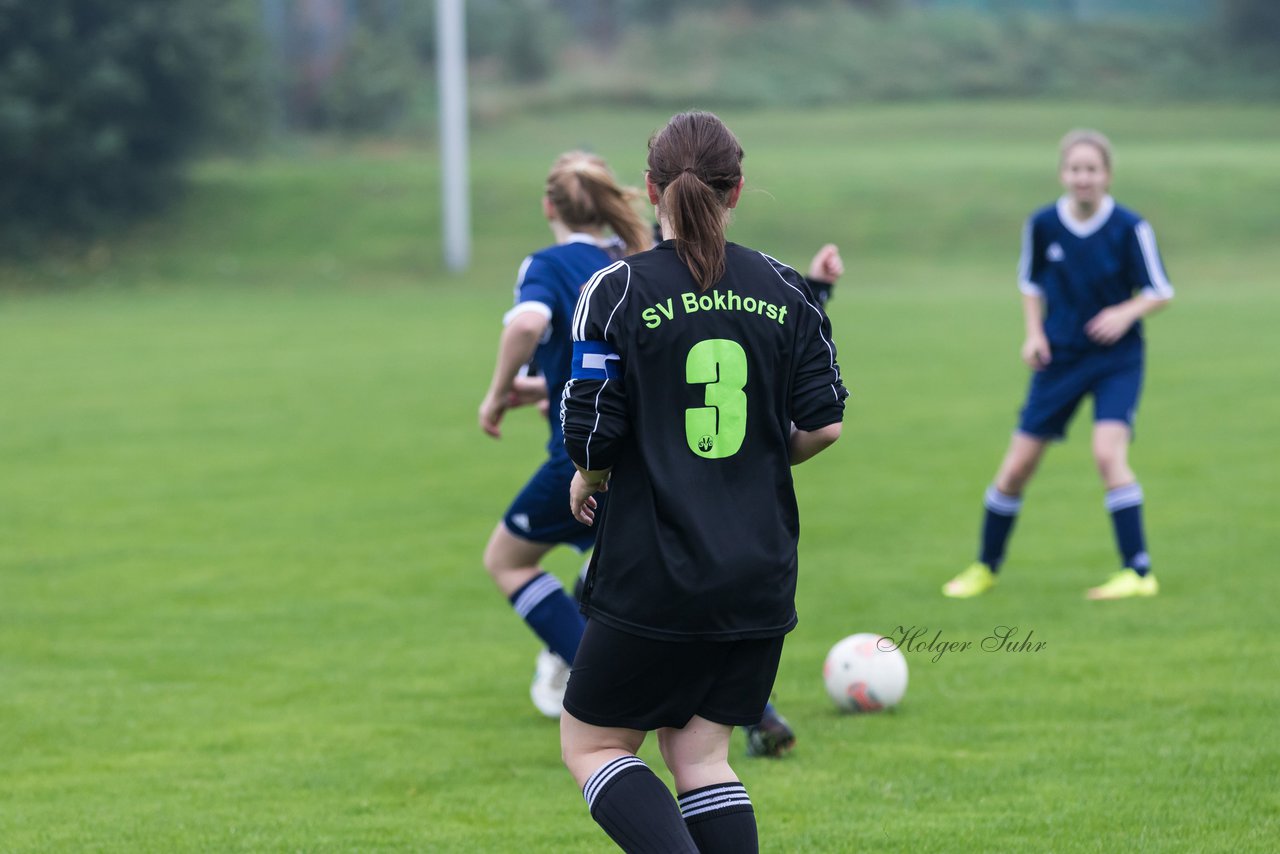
<point x="716" y="430"/>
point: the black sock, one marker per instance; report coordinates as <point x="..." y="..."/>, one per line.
<point x="720" y="819"/>
<point x="635" y="808"/>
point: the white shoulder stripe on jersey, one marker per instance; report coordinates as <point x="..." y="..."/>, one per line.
<point x="625" y="290"/>
<point x="778" y="267"/>
<point x="584" y="299"/>
<point x="1024" y="257"/>
<point x="1025" y="284"/>
<point x="1159" y="287"/>
<point x="524" y="268"/>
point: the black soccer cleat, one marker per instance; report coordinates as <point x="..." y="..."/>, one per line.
<point x="772" y="737"/>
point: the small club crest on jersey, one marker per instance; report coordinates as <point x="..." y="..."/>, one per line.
<point x="1054" y="252"/>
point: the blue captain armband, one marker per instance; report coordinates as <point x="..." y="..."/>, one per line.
<point x="595" y="360"/>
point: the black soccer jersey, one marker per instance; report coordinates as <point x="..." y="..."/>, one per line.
<point x="690" y="398"/>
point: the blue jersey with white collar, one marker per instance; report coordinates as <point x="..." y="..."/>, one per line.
<point x="548" y="283"/>
<point x="1080" y="268"/>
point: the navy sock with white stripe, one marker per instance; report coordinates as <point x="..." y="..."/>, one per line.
<point x="720" y="819"/>
<point x="997" y="525"/>
<point x="553" y="616"/>
<point x="1124" y="503"/>
<point x="635" y="808"/>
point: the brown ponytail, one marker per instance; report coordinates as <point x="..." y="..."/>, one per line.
<point x="696" y="164"/>
<point x="585" y="194"/>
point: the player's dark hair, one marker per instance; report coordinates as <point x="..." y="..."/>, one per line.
<point x="585" y="194"/>
<point x="696" y="164"/>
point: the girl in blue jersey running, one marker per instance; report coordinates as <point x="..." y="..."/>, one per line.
<point x="1089" y="272"/>
<point x="583" y="203"/>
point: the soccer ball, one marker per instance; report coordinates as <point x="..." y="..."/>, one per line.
<point x="865" y="673"/>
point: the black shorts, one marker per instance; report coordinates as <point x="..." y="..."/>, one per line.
<point x="622" y="680"/>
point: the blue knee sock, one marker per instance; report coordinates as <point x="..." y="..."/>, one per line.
<point x="1125" y="505"/>
<point x="997" y="525"/>
<point x="553" y="616"/>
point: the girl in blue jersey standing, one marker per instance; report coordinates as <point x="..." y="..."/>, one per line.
<point x="583" y="203"/>
<point x="1089" y="272"/>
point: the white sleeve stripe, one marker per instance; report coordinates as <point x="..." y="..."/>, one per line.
<point x="625" y="290"/>
<point x="1024" y="259"/>
<point x="564" y="395"/>
<point x="579" y="333"/>
<point x="595" y="425"/>
<point x="778" y="266"/>
<point x="1030" y="288"/>
<point x="524" y="268"/>
<point x="528" y="305"/>
<point x="1159" y="287"/>
<point x="584" y="299"/>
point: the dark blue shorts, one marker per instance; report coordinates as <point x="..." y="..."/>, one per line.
<point x="1056" y="391"/>
<point x="541" y="511"/>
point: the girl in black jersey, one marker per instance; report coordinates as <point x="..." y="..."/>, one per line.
<point x="702" y="371"/>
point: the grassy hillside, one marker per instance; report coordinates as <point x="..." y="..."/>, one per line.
<point x="243" y="499"/>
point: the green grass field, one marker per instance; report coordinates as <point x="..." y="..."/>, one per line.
<point x="243" y="499"/>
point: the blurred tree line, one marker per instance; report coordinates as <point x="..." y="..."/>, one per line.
<point x="102" y="101"/>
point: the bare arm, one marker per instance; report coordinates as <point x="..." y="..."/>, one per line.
<point x="1109" y="325"/>
<point x="519" y="340"/>
<point x="526" y="390"/>
<point x="1035" y="346"/>
<point x="807" y="444"/>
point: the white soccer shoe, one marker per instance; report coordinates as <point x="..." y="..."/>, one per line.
<point x="549" y="681"/>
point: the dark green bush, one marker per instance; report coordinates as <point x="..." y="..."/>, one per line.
<point x="101" y="100"/>
<point x="371" y="88"/>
